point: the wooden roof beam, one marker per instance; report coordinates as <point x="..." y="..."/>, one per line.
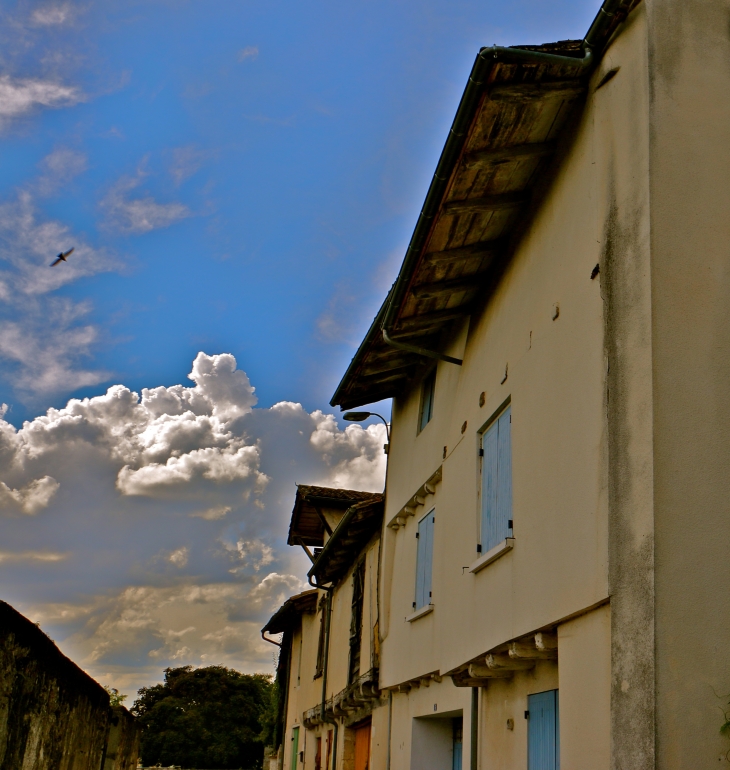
<point x="424" y="320"/>
<point x="454" y="286"/>
<point x="385" y="378"/>
<point x="528" y="92"/>
<point x="484" y="158"/>
<point x="483" y="249"/>
<point x="377" y="368"/>
<point x="488" y="203"/>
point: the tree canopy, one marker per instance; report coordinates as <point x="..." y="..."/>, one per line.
<point x="204" y="718"/>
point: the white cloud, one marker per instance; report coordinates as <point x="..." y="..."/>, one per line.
<point x="19" y="96"/>
<point x="179" y="557"/>
<point x="59" y="168"/>
<point x="186" y="161"/>
<point x="32" y="498"/>
<point x="42" y="336"/>
<point x="141" y="214"/>
<point x="52" y="15"/>
<point x="249" y="52"/>
<point x="48" y="557"/>
<point x="184" y="492"/>
<point x="209" y="624"/>
<point x="212" y="514"/>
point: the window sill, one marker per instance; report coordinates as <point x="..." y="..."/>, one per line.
<point x="427" y="610"/>
<point x="492" y="555"/>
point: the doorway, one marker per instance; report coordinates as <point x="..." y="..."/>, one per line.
<point x="362" y="746"/>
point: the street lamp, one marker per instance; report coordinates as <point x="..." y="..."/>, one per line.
<point x="360" y="416"/>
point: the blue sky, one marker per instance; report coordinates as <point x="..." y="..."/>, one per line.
<point x="239" y="179"/>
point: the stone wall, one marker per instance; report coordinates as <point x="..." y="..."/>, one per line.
<point x="54" y="716"/>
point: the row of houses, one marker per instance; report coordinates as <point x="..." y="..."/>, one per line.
<point x="542" y="583"/>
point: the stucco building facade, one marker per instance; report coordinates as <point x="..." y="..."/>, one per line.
<point x="557" y="352"/>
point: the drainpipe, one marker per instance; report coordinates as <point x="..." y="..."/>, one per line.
<point x="390" y="726"/>
<point x="474" y="754"/>
<point x="452" y="152"/>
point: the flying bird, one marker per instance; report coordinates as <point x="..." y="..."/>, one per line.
<point x="62" y="256"/>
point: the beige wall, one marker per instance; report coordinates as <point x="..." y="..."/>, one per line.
<point x="305" y="692"/>
<point x="418" y="704"/>
<point x="690" y="270"/>
<point x="585" y="687"/>
<point x="501" y="748"/>
<point x="557" y="386"/>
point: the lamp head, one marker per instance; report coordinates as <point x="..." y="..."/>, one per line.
<point x="356" y="416"/>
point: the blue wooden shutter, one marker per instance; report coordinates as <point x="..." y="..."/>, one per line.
<point x="497" y="481"/>
<point x="424" y="560"/>
<point x="504" y="475"/>
<point x="489" y="484"/>
<point x="543" y="731"/>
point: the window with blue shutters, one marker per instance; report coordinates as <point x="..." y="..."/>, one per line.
<point x="424" y="560"/>
<point x="543" y="731"/>
<point x="496" y="451"/>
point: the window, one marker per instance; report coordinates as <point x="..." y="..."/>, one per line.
<point x="319" y="670"/>
<point x="496" y="524"/>
<point x="358" y="590"/>
<point x="427" y="391"/>
<point x="424" y="559"/>
<point x="543" y="731"/>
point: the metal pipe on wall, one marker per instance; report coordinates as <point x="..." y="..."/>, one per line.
<point x="474" y="751"/>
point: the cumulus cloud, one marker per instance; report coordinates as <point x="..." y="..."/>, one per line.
<point x="19" y="96"/>
<point x="193" y="485"/>
<point x="199" y="625"/>
<point x="140" y="214"/>
<point x="179" y="557"/>
<point x="32" y="498"/>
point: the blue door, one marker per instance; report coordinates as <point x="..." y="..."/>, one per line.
<point x="458" y="743"/>
<point x="543" y="731"/>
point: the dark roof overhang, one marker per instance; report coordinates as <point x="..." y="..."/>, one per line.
<point x="287" y="616"/>
<point x="352" y="534"/>
<point x="514" y="109"/>
<point x="307" y="526"/>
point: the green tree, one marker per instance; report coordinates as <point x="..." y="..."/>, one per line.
<point x="115" y="697"/>
<point x="204" y="718"/>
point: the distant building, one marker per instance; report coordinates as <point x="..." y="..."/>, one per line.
<point x="329" y="661"/>
<point x="557" y="348"/>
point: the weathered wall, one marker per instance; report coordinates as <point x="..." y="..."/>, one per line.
<point x="122" y="745"/>
<point x="53" y="716"/>
<point x="690" y="271"/>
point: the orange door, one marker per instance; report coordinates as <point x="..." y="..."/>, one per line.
<point x="362" y="747"/>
